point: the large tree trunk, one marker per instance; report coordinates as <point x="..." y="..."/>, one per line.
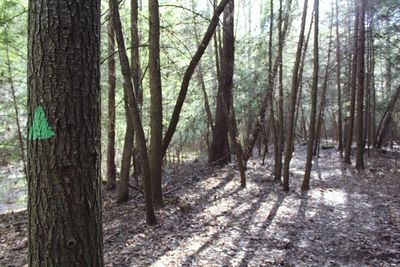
<point x="111" y="168"/>
<point x="189" y="73"/>
<point x="134" y="113"/>
<point x="64" y="183"/>
<point x="156" y="126"/>
<point x="360" y="86"/>
<point x="219" y="150"/>
<point x="311" y="135"/>
<point x="226" y="79"/>
<point x="293" y="98"/>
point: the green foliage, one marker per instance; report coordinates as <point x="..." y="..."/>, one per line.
<point x="13" y="35"/>
<point x="180" y="21"/>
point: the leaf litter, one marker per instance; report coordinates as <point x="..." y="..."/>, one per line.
<point x="348" y="218"/>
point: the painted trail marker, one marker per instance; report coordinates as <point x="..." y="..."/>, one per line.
<point x="40" y="129"/>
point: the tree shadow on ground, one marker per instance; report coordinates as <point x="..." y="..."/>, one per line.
<point x="347" y="218"/>
<point x="174" y="223"/>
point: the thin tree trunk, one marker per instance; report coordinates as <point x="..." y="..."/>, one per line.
<point x="382" y="128"/>
<point x="217" y="53"/>
<point x="134" y="114"/>
<point x="272" y="117"/>
<point x="274" y="125"/>
<point x="111" y="168"/>
<point x="136" y="7"/>
<point x="350" y="126"/>
<point x="323" y="98"/>
<point x="281" y="138"/>
<point x="311" y="137"/>
<point x="17" y="121"/>
<point x="301" y="71"/>
<point x="189" y="73"/>
<point x="367" y="112"/>
<point x="293" y="100"/>
<point x="338" y="81"/>
<point x="200" y="78"/>
<point x="360" y="86"/>
<point x="266" y="141"/>
<point x="123" y="185"/>
<point x="259" y="122"/>
<point x="373" y="117"/>
<point x="156" y="125"/>
<point x="320" y="118"/>
<point x="233" y="133"/>
<point x="303" y="124"/>
<point x="205" y="96"/>
<point x="128" y="149"/>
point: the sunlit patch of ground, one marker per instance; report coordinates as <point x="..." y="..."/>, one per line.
<point x="12" y="189"/>
<point x="348" y="218"/>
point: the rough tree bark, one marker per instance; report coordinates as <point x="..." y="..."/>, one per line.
<point x="219" y="150"/>
<point x="64" y="183"/>
<point x="226" y="79"/>
<point x="134" y="114"/>
<point x="311" y="135"/>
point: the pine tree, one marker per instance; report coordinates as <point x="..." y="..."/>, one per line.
<point x="64" y="205"/>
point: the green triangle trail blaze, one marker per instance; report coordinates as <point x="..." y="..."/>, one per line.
<point x="40" y="129"/>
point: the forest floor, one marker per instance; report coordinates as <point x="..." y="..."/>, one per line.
<point x="348" y="218"/>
